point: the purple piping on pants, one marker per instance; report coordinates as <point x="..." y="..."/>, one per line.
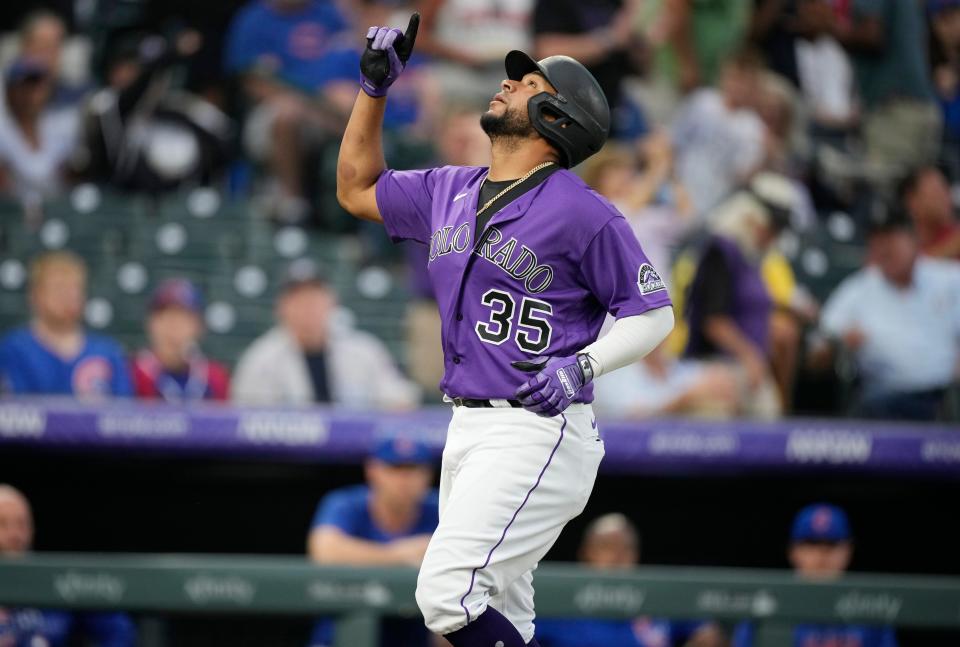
<point x="473" y="575"/>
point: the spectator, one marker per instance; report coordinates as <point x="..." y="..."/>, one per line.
<point x="468" y="40"/>
<point x="703" y="36"/>
<point x="944" y="16"/>
<point x="43" y="37"/>
<point x="888" y="42"/>
<point x="902" y="375"/>
<point x="600" y="34"/>
<point x="775" y="31"/>
<point x="174" y="368"/>
<point x="610" y="543"/>
<point x="388" y="521"/>
<point x="821" y="547"/>
<point x="143" y="133"/>
<point x="297" y="68"/>
<point x="718" y="137"/>
<point x="311" y="358"/>
<point x="53" y="354"/>
<point x="729" y="308"/>
<point x="26" y="627"/>
<point x="928" y="201"/>
<point x="36" y="140"/>
<point x="662" y="385"/>
<point x="816" y="64"/>
<point x="778" y="105"/>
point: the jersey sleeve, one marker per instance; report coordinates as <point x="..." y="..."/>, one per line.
<point x="405" y="199"/>
<point x="619" y="274"/>
<point x="337" y="509"/>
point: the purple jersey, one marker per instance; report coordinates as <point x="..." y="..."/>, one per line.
<point x="552" y="264"/>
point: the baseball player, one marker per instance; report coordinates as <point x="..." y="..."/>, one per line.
<point x="821" y="547"/>
<point x="526" y="261"/>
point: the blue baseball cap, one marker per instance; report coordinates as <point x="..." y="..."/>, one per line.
<point x="177" y="293"/>
<point x="402" y="450"/>
<point x="821" y="522"/>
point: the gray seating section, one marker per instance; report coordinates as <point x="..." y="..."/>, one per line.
<point x="131" y="243"/>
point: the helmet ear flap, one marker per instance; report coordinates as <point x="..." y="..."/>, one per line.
<point x="550" y="120"/>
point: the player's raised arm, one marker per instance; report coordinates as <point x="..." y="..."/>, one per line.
<point x="361" y="152"/>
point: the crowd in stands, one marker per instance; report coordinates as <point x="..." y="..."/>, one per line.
<point x="308" y="358"/>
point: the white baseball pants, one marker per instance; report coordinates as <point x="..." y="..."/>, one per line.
<point x="509" y="482"/>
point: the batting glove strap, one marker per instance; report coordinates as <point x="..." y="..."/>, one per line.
<point x="555" y="386"/>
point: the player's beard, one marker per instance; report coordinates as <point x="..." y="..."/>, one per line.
<point x="512" y="126"/>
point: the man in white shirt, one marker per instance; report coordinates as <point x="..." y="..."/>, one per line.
<point x="309" y="357"/>
<point x="36" y="141"/>
<point x="900" y="318"/>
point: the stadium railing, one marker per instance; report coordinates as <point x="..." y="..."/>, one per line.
<point x="773" y="600"/>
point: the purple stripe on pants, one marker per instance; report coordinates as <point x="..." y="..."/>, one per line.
<point x="473" y="576"/>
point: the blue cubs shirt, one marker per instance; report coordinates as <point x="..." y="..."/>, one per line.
<point x="641" y="632"/>
<point x="348" y="510"/>
<point x="306" y="48"/>
<point x="21" y="627"/>
<point x="826" y="636"/>
<point x="29" y="367"/>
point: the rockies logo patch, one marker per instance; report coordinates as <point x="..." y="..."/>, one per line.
<point x="648" y="280"/>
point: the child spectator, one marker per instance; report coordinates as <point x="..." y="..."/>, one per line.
<point x="174" y="368"/>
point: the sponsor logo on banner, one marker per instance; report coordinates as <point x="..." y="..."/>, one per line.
<point x="692" y="443"/>
<point x="18" y="421"/>
<point x="89" y="587"/>
<point x="759" y="604"/>
<point x="373" y="594"/>
<point x="941" y="451"/>
<point x="157" y="424"/>
<point x="283" y="428"/>
<point x="868" y="606"/>
<point x="826" y="446"/>
<point x="207" y="589"/>
<point x="610" y="597"/>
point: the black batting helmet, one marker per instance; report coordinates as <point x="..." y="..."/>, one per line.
<point x="581" y="116"/>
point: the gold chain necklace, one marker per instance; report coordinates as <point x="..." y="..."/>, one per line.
<point x="512" y="185"/>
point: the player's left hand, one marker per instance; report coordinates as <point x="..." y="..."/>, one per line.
<point x="556" y="384"/>
<point x="386" y="56"/>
